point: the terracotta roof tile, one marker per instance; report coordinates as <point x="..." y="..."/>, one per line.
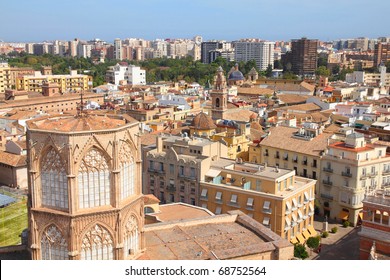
<point x="281" y="137"/>
<point x="12" y="159"/>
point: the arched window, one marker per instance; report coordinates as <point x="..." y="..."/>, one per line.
<point x="53" y="244"/>
<point x="94" y="180"/>
<point x="54" y="182"/>
<point x="127" y="171"/>
<point x="131" y="237"/>
<point x="97" y="245"/>
<point x="217" y="102"/>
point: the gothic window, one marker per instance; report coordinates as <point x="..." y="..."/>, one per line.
<point x="54" y="182"/>
<point x="217" y="102"/>
<point x="131" y="237"/>
<point x="97" y="244"/>
<point x="53" y="244"/>
<point x="127" y="172"/>
<point x="94" y="180"/>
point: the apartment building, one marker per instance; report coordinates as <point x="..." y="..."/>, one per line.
<point x="298" y="149"/>
<point x="275" y="197"/>
<point x="130" y="74"/>
<point x="175" y="165"/>
<point x="351" y="169"/>
<point x="260" y="51"/>
<point x="72" y="82"/>
<point x="304" y="56"/>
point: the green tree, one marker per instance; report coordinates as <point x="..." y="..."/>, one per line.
<point x="323" y="71"/>
<point x="268" y="72"/>
<point x="322" y="60"/>
<point x="300" y="251"/>
<point x="313" y="242"/>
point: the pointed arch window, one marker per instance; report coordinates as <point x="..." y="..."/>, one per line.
<point x="131" y="237"/>
<point x="97" y="244"/>
<point x="127" y="166"/>
<point x="94" y="180"/>
<point x="53" y="245"/>
<point x="54" y="182"/>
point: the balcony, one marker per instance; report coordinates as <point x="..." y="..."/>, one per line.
<point x="386" y="172"/>
<point x="171" y="188"/>
<point x="265" y="154"/>
<point x="285" y="158"/>
<point x="327" y="196"/>
<point x="314" y="165"/>
<point x="326" y="182"/>
<point x="346" y="174"/>
<point x="277" y="156"/>
<point x="328" y="169"/>
<point x="304" y="162"/>
<point x="373" y="174"/>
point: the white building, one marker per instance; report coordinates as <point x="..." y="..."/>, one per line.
<point x="118" y="49"/>
<point x="260" y="51"/>
<point x="173" y="100"/>
<point x="132" y="74"/>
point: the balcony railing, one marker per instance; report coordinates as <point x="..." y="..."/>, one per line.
<point x="386" y="172"/>
<point x="346" y="174"/>
<point x="326" y="182"/>
<point x="328" y="169"/>
<point x="171" y="188"/>
<point x="304" y="162"/>
<point x="327" y="196"/>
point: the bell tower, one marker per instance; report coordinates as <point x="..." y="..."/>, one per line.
<point x="219" y="95"/>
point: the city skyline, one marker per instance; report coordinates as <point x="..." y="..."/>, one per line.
<point x="41" y="20"/>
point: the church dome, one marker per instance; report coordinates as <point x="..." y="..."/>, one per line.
<point x="203" y="122"/>
<point x="236" y="76"/>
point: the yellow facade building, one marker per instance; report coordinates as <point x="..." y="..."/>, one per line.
<point x="67" y="83"/>
<point x="272" y="196"/>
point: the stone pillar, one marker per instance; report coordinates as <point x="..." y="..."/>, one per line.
<point x="325" y="224"/>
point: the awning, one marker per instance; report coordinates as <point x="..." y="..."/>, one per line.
<point x="294" y="203"/>
<point x="266" y="205"/>
<point x="288" y="206"/>
<point x="213" y="173"/>
<point x="300" y="238"/>
<point x="294" y="240"/>
<point x="312" y="231"/>
<point x="344" y="215"/>
<point x="306" y="234"/>
<point x="266" y="221"/>
<point x="361" y="216"/>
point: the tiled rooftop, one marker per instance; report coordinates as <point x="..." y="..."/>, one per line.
<point x="87" y="122"/>
<point x="218" y="237"/>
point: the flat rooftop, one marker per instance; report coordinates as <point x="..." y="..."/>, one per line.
<point x="180" y="211"/>
<point x="224" y="236"/>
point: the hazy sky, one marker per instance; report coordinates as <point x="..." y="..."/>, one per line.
<point x="39" y="20"/>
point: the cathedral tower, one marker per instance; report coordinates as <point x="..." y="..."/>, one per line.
<point x="85" y="199"/>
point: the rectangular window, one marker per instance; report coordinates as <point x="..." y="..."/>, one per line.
<point x="204" y="193"/>
<point x="266" y="221"/>
<point x="171" y="168"/>
<point x="218" y="210"/>
<point x="233" y="199"/>
<point x="218" y="196"/>
<point x="266" y="206"/>
<point x="249" y="202"/>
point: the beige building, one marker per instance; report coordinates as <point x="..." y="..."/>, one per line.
<point x="273" y="196"/>
<point x="67" y="83"/>
<point x="298" y="149"/>
<point x="175" y="165"/>
<point x="351" y="169"/>
<point x="56" y="103"/>
<point x="85" y="200"/>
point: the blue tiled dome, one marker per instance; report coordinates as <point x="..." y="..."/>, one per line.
<point x="236" y="76"/>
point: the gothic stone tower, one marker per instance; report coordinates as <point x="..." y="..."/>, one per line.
<point x="219" y="96"/>
<point x="85" y="199"/>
